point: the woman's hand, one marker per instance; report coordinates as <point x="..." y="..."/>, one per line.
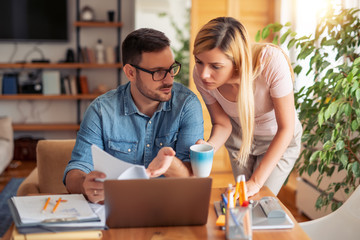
<point x="201" y="141"/>
<point x="252" y="188"/>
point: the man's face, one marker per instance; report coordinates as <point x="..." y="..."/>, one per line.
<point x="147" y="87"/>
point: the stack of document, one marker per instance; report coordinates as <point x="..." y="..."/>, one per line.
<point x="35" y="214"/>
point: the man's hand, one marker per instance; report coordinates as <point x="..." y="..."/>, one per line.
<point x="161" y="162"/>
<point x="93" y="189"/>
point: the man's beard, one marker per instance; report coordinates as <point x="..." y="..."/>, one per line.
<point x="153" y="94"/>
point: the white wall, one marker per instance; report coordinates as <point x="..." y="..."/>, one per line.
<point x="65" y="111"/>
<point x="147" y="15"/>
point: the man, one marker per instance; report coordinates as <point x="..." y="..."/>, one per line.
<point x="150" y="121"/>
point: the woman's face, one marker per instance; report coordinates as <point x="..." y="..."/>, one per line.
<point x="214" y="69"/>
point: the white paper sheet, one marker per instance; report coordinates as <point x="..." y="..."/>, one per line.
<point x="30" y="208"/>
<point x="115" y="168"/>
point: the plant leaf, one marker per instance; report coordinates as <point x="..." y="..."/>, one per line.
<point x="340" y="145"/>
<point x="344" y="159"/>
<point x="354" y="125"/>
<point x="257" y="37"/>
<point x="357" y="61"/>
<point x="265" y="33"/>
<point x="357" y="94"/>
<point x="356" y="169"/>
<point x="284" y="36"/>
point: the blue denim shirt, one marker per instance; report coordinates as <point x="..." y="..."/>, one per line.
<point x="113" y="123"/>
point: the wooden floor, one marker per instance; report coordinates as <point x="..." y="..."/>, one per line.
<point x="286" y="194"/>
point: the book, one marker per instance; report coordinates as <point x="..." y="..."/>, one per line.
<point x="86" y="234"/>
<point x="51" y="82"/>
<point x="115" y="168"/>
<point x="110" y="55"/>
<point x="91" y="55"/>
<point x="84" y="88"/>
<point x="31" y="216"/>
<point x="1" y="80"/>
<point x="73" y="85"/>
<point x="9" y="83"/>
<point x="66" y="85"/>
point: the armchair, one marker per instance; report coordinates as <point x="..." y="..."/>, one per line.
<point x="6" y="142"/>
<point x="52" y="158"/>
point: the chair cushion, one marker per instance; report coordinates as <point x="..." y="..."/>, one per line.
<point x="52" y="158"/>
<point x="6" y="142"/>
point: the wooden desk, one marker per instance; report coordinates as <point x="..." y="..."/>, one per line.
<point x="208" y="231"/>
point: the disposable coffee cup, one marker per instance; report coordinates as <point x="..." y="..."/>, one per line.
<point x="201" y="158"/>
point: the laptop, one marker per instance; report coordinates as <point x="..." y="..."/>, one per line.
<point x="157" y="202"/>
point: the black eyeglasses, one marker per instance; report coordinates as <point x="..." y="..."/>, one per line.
<point x="161" y="74"/>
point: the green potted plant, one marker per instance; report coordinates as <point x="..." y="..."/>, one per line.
<point x="329" y="109"/>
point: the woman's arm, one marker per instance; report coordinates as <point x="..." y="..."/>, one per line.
<point x="221" y="129"/>
<point x="285" y="118"/>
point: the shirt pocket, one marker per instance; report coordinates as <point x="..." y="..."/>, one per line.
<point x="168" y="140"/>
<point x="124" y="150"/>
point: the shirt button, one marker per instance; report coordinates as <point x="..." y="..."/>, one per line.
<point x="147" y="145"/>
<point x="161" y="144"/>
<point x="129" y="150"/>
<point x="150" y="122"/>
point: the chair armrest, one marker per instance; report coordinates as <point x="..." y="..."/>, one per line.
<point x="30" y="185"/>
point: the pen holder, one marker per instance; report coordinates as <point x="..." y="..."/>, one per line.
<point x="238" y="223"/>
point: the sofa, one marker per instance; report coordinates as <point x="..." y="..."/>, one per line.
<point x="6" y="142"/>
<point x="52" y="157"/>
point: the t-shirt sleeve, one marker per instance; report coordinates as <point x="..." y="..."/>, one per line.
<point x="277" y="72"/>
<point x="208" y="98"/>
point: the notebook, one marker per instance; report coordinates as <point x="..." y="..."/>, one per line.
<point x="157" y="202"/>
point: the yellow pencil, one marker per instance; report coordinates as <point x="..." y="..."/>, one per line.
<point x="46" y="204"/>
<point x="56" y="205"/>
<point x="237" y="188"/>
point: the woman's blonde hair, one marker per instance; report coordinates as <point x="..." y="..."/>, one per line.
<point x="231" y="37"/>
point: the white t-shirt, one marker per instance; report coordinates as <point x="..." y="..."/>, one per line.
<point x="274" y="81"/>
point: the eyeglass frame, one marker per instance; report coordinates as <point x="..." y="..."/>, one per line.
<point x="152" y="72"/>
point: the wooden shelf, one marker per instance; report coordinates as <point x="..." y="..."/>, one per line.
<point x="45" y="127"/>
<point x="48" y="97"/>
<point x="60" y="65"/>
<point x="98" y="24"/>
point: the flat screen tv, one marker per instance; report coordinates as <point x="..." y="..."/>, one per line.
<point x="33" y="20"/>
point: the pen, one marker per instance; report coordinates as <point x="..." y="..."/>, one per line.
<point x="56" y="205"/>
<point x="230" y="197"/>
<point x="46" y="204"/>
<point x="224" y="199"/>
<point x="223" y="208"/>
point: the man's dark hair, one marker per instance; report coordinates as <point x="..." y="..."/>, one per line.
<point x="142" y="40"/>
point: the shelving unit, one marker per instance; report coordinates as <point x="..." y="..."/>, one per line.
<point x="77" y="66"/>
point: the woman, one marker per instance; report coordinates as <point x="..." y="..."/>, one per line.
<point x="248" y="90"/>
